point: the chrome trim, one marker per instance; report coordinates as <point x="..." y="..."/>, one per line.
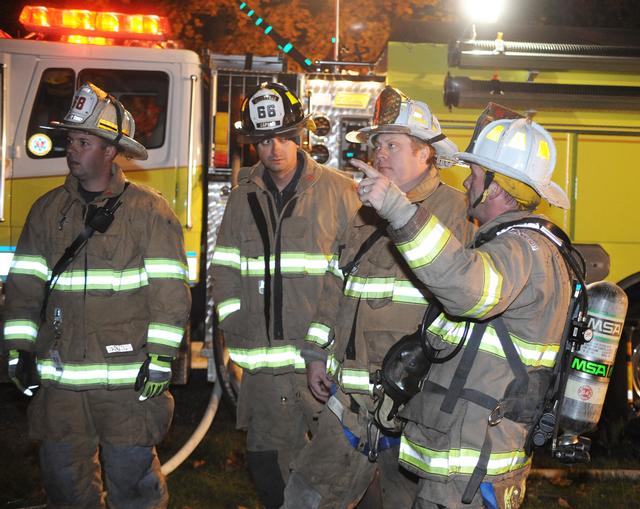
<point x="191" y="163"/>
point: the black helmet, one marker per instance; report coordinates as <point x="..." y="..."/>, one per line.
<point x="271" y="110"/>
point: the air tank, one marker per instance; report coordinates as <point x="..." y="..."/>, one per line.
<point x="591" y="366"/>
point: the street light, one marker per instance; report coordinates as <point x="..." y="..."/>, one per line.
<point x="483" y="11"/>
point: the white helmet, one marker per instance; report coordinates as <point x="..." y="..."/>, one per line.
<point x="522" y="150"/>
<point x="396" y="113"/>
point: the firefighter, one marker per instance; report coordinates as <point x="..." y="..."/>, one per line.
<point x="280" y="227"/>
<point x="97" y="297"/>
<point x="467" y="430"/>
<point x="368" y="305"/>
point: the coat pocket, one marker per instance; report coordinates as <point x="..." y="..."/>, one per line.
<point x="126" y="340"/>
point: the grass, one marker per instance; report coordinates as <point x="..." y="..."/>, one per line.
<point x="215" y="475"/>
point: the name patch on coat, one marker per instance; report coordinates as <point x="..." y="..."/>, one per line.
<point x="119" y="348"/>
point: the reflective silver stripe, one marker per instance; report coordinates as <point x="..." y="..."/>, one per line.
<point x="349" y="379"/>
<point x="226" y="307"/>
<point x="89" y="374"/>
<point x="400" y="291"/>
<point x="267" y="357"/>
<point x="30" y="265"/>
<point x="491" y="290"/>
<point x="226" y="256"/>
<point x="163" y="334"/>
<point x="166" y="268"/>
<point x="334" y="267"/>
<point x="290" y="263"/>
<point x="318" y="334"/>
<point x="427" y="245"/>
<point x="458" y="461"/>
<point x="531" y="354"/>
<point x="20" y="330"/>
<point x="102" y="279"/>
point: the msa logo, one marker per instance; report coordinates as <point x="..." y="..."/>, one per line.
<point x="591" y="367"/>
<point x="607" y="327"/>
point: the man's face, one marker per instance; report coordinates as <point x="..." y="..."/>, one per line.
<point x="87" y="156"/>
<point x="279" y="155"/>
<point x="474" y="184"/>
<point x="396" y="159"/>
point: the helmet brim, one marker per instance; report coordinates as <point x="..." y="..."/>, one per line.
<point x="550" y="192"/>
<point x="130" y="147"/>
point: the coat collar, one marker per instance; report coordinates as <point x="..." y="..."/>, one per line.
<point x="114" y="188"/>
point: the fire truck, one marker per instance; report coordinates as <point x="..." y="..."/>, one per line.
<point x="583" y="86"/>
<point x="185" y="105"/>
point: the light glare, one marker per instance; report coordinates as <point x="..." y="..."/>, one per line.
<point x="483" y="11"/>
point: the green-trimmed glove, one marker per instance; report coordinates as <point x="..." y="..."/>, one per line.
<point x="154" y="376"/>
<point x="23" y="371"/>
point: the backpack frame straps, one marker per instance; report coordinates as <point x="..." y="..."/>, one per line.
<point x="263" y="229"/>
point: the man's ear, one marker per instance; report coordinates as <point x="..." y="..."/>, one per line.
<point x="425" y="153"/>
<point x="111" y="151"/>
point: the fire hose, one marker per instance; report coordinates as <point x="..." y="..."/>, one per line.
<point x="199" y="433"/>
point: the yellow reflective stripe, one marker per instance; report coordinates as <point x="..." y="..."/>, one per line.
<point x="30" y="266"/>
<point x="267" y="357"/>
<point x="531" y="354"/>
<point x="82" y="375"/>
<point x="227" y="257"/>
<point x="491" y="290"/>
<point x="318" y="334"/>
<point x="226" y="307"/>
<point x="458" y="461"/>
<point x="427" y="245"/>
<point x="24" y="330"/>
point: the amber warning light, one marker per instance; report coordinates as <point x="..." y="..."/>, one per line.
<point x="80" y="22"/>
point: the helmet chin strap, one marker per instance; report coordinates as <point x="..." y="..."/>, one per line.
<point x="488" y="178"/>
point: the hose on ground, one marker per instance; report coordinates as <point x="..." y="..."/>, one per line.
<point x="196" y="437"/>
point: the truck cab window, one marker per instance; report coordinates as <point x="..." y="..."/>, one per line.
<point x="52" y="103"/>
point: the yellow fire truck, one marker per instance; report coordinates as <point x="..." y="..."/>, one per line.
<point x="185" y="106"/>
<point x="585" y="89"/>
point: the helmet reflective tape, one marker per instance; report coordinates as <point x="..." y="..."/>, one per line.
<point x="266" y="109"/>
<point x="84" y="102"/>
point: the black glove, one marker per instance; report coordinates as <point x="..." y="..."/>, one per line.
<point x="154" y="376"/>
<point x="23" y="371"/>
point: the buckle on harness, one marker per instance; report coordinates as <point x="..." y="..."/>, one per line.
<point x="496" y="415"/>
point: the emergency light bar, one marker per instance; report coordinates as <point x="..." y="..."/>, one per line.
<point x="76" y="23"/>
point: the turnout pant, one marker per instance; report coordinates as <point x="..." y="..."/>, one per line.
<point x="330" y="473"/>
<point x="98" y="447"/>
<point x="279" y="414"/>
